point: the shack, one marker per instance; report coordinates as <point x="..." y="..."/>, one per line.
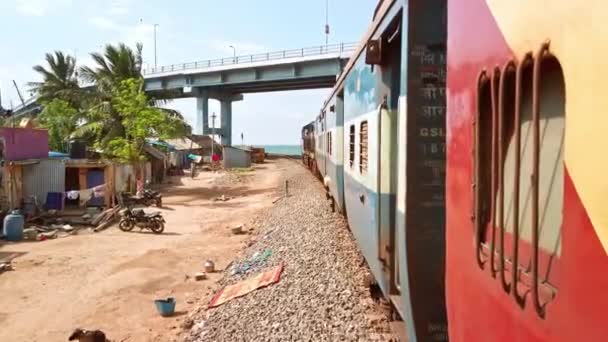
<point x="235" y="157"/>
<point x="17" y="160"/>
<point x="18" y="143"/>
<point x="181" y="149"/>
<point x="93" y="180"/>
<point x="207" y="143"/>
<point x="158" y="164"/>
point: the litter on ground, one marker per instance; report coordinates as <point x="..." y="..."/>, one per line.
<point x="257" y="259"/>
<point x="246" y="286"/>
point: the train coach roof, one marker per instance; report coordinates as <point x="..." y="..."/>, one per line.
<point x="381" y="11"/>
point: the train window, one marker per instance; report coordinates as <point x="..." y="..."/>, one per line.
<point x="351" y="144"/>
<point x="363" y="147"/>
<point x="483" y="155"/>
<point x="520" y="129"/>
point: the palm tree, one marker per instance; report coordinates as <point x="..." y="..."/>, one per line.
<point x="59" y="79"/>
<point x="114" y="65"/>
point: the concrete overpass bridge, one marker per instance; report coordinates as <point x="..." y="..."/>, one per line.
<point x="227" y="79"/>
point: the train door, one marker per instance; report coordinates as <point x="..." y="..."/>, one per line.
<point x="324" y="143"/>
<point x="320" y="145"/>
<point x="339" y="148"/>
<point x="421" y="184"/>
<point x="388" y="92"/>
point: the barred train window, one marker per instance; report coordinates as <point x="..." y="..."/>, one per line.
<point x="363" y="147"/>
<point x="505" y="202"/>
<point x="351" y="144"/>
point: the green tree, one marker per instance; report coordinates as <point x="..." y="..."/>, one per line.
<point x="59" y="79"/>
<point x="140" y="121"/>
<point x="115" y="65"/>
<point x="60" y="118"/>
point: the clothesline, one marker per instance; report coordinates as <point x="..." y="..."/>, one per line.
<point x="87" y="194"/>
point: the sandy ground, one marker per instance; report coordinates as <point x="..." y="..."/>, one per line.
<point x="109" y="280"/>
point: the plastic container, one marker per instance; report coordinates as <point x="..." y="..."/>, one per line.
<point x="165" y="307"/>
<point x="13" y="226"/>
<point x="78" y="149"/>
<point x="54" y="201"/>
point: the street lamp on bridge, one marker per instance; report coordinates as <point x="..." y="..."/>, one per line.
<point x="155" y="64"/>
<point x="233" y="53"/>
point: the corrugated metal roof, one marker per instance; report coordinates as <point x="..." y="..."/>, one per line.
<point x="43" y="177"/>
<point x="183" y="144"/>
<point x="204" y="140"/>
<point x="154" y="152"/>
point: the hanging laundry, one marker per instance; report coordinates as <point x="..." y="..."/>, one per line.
<point x="99" y="191"/>
<point x="85" y="196"/>
<point x="73" y="195"/>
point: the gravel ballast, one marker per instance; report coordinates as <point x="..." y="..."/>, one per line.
<point x="322" y="294"/>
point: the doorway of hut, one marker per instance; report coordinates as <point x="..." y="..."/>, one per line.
<point x="72" y="188"/>
<point x="79" y="184"/>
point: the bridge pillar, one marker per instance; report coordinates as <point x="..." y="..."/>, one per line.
<point x="226" y="109"/>
<point x="202" y="114"/>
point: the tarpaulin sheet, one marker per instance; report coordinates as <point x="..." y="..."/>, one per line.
<point x="246" y="286"/>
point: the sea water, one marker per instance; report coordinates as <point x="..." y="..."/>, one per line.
<point x="288" y="150"/>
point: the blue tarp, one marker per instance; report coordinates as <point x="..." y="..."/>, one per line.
<point x="53" y="154"/>
<point x="160" y="143"/>
<point x="196" y="158"/>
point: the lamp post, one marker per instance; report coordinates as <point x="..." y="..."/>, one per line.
<point x="155" y="62"/>
<point x="233" y="53"/>
<point x="326" y="23"/>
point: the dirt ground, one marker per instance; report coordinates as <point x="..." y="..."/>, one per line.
<point x="109" y="280"/>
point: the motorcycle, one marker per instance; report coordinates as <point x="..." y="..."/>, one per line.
<point x="153" y="197"/>
<point x="148" y="198"/>
<point x="131" y="218"/>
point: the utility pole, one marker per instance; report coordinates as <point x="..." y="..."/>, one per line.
<point x="242" y="139"/>
<point x="155" y="61"/>
<point x="326" y="23"/>
<point x="213" y="116"/>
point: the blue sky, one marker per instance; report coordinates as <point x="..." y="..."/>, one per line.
<point x="188" y="31"/>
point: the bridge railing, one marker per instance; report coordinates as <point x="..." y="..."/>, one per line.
<point x="259" y="57"/>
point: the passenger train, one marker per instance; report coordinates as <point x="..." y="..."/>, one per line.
<point x="464" y="143"/>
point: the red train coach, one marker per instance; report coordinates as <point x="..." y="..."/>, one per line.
<point x="527" y="221"/>
<point x="495" y="226"/>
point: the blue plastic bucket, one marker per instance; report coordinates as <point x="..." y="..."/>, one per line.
<point x="165" y="307"/>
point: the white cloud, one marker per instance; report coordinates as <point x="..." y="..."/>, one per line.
<point x="104" y="23"/>
<point x="39" y="8"/>
<point x="119" y="7"/>
<point x="117" y="10"/>
<point x="140" y="33"/>
<point x="129" y="34"/>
